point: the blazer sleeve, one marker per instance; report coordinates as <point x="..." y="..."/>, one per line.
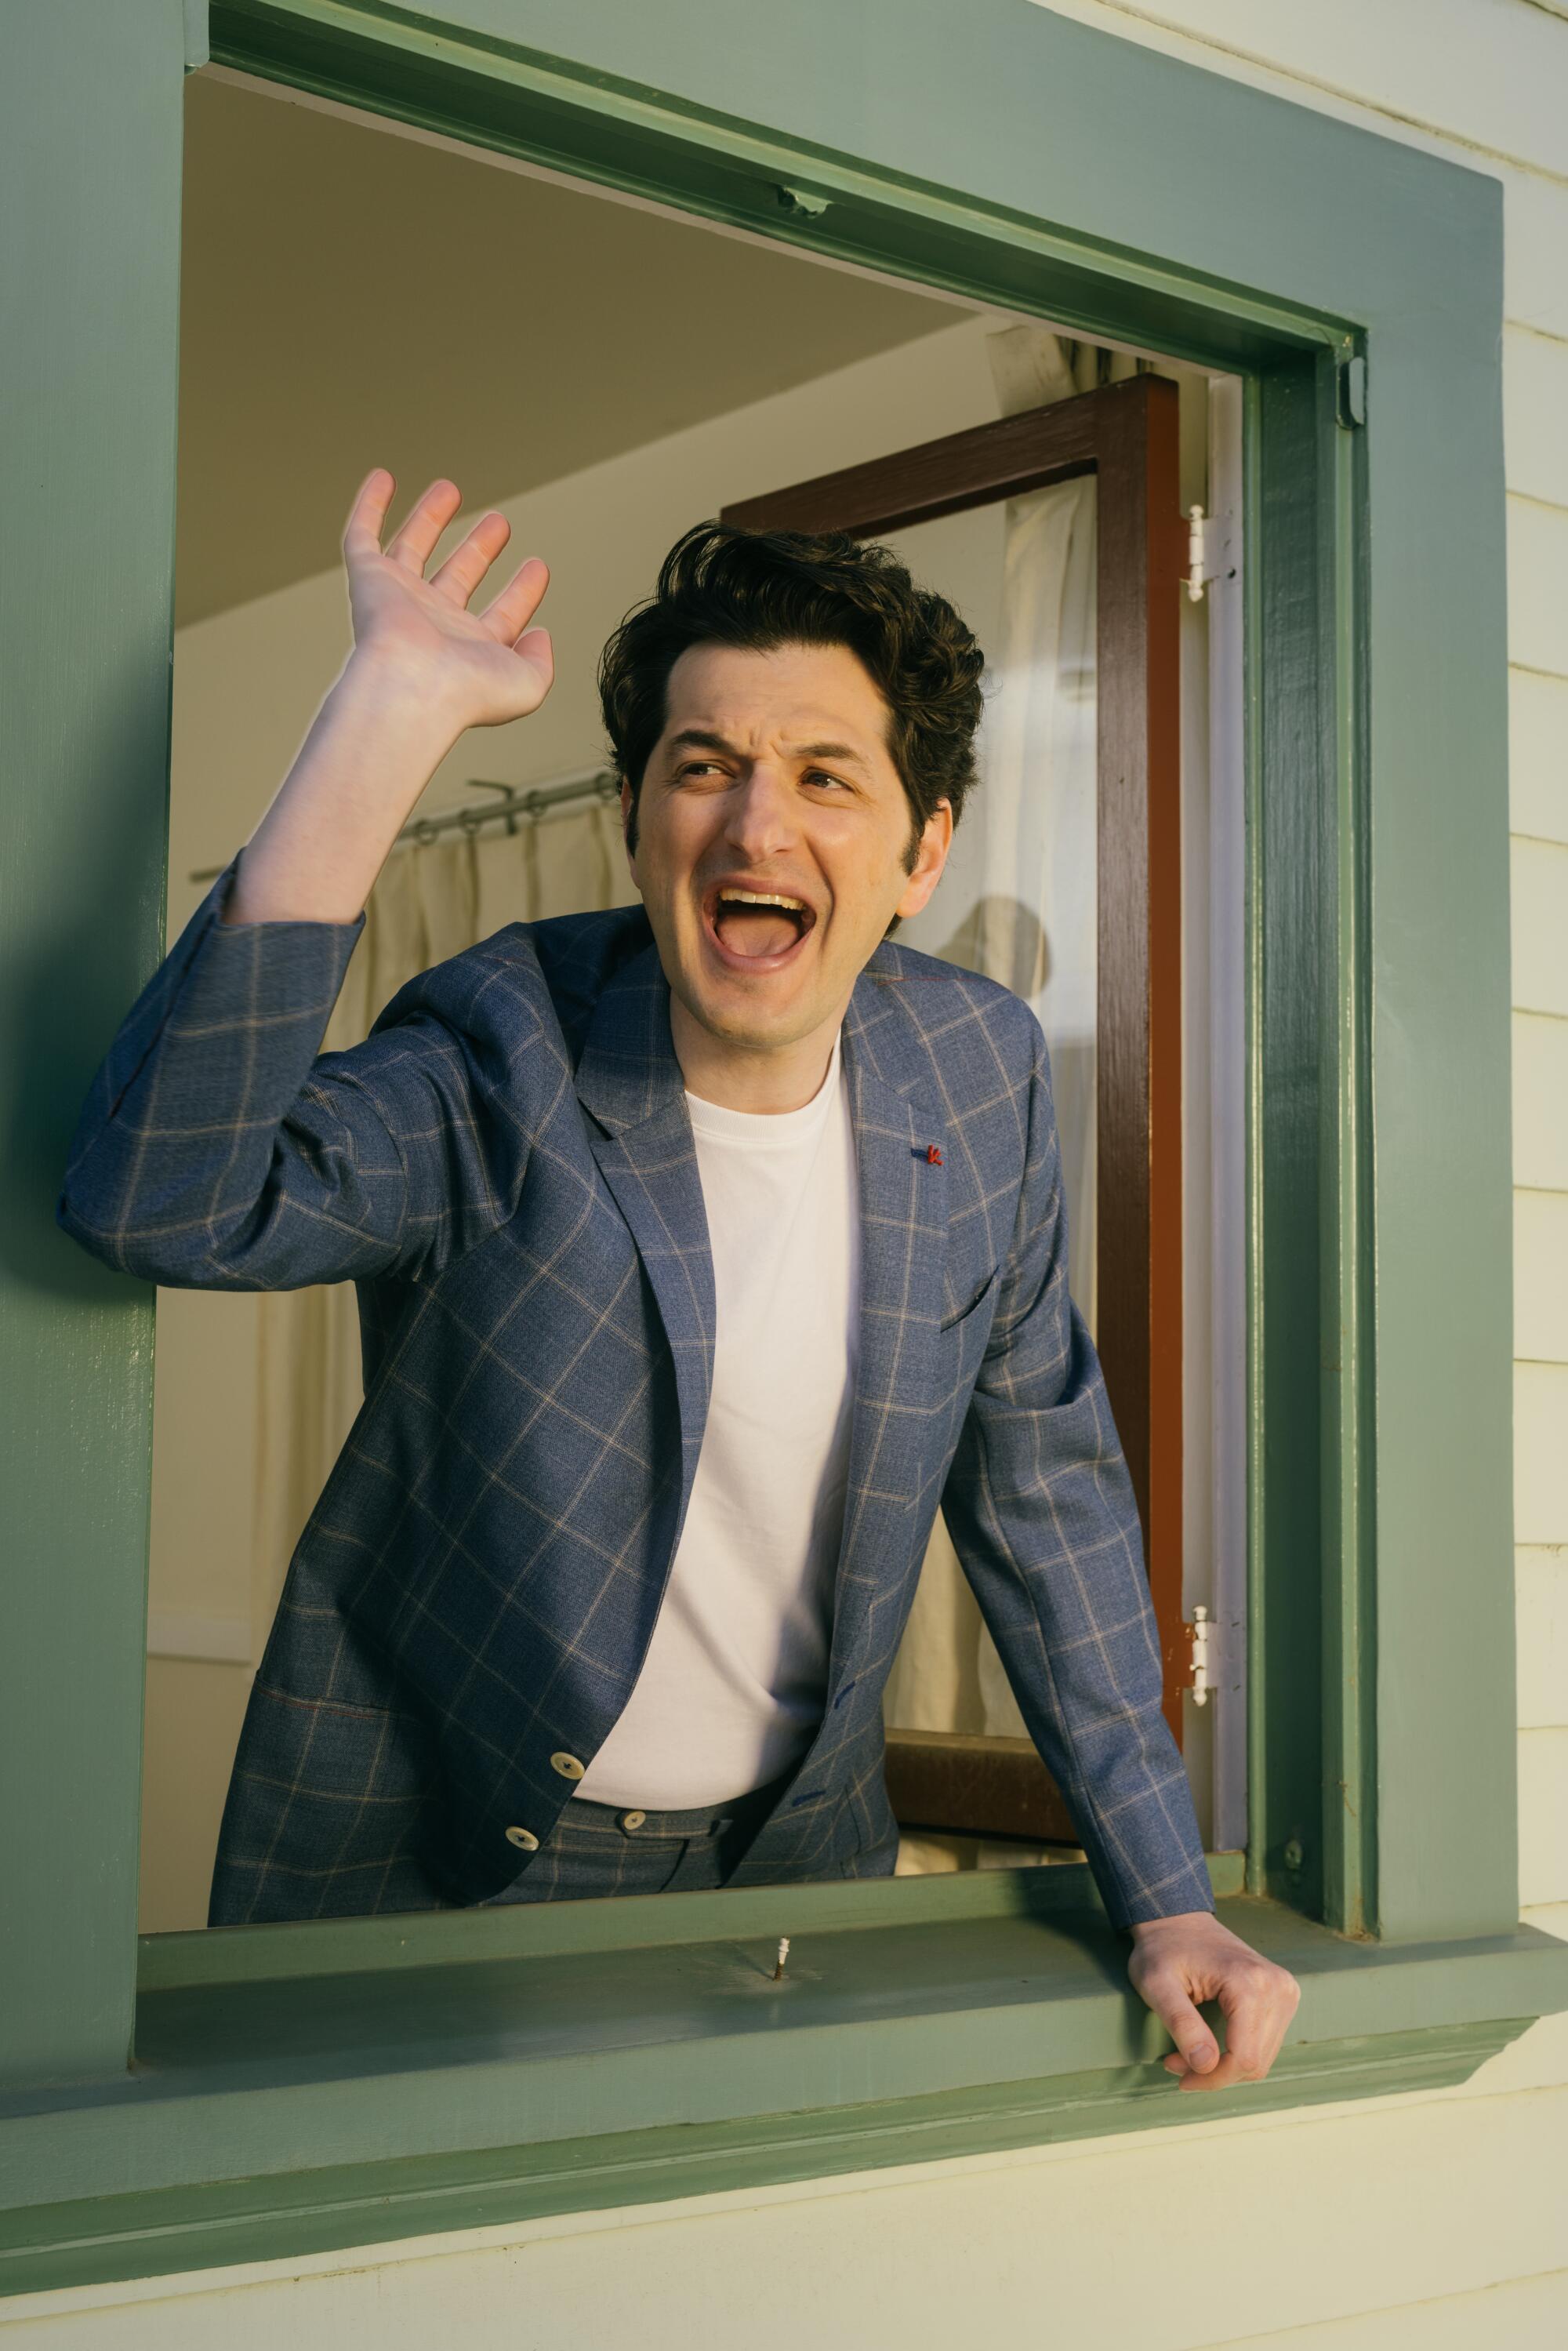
<point x="217" y="1149"/>
<point x="1040" y="1509"/>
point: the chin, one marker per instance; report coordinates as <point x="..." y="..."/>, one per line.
<point x="755" y="1025"/>
<point x="744" y="1016"/>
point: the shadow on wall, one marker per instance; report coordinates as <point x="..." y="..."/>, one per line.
<point x="1002" y="937"/>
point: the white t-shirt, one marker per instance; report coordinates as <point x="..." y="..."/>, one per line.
<point x="731" y="1691"/>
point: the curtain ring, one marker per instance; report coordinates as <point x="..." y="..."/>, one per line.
<point x="531" y="807"/>
<point x="423" y="832"/>
<point x="471" y="819"/>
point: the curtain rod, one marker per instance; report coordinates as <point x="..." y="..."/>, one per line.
<point x="517" y="800"/>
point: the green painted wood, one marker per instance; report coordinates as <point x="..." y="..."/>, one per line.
<point x="1440" y="1389"/>
<point x="1284" y="529"/>
<point x="156" y="2234"/>
<point x="272" y="2115"/>
<point x="483" y="76"/>
<point x="1348" y="1300"/>
<point x="89" y="192"/>
<point x="236" y="1955"/>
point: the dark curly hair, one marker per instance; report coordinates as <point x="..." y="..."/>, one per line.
<point x="759" y="589"/>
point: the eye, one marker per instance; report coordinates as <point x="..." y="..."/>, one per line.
<point x="821" y="776"/>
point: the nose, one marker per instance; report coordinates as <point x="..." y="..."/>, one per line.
<point x="759" y="817"/>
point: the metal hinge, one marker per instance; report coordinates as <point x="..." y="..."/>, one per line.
<point x="1200" y="551"/>
<point x="1199" y="1634"/>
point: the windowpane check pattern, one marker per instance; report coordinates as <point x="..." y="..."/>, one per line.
<point x="504" y="1168"/>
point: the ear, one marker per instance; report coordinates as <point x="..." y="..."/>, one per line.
<point x="935" y="841"/>
<point x="626" y="805"/>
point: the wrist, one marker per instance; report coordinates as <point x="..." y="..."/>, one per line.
<point x="1143" y="1931"/>
<point x="372" y="692"/>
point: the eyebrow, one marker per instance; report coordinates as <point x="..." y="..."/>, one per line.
<point x="705" y="738"/>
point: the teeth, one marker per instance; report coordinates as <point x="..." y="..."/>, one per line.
<point x="764" y="898"/>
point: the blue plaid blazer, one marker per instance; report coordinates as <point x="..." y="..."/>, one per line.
<point x="504" y="1168"/>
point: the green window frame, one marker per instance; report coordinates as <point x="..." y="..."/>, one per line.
<point x="279" y="2089"/>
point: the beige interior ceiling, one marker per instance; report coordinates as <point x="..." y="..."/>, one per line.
<point x="351" y="298"/>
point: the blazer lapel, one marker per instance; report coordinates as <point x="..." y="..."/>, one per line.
<point x="629" y="1082"/>
<point x="904" y="1250"/>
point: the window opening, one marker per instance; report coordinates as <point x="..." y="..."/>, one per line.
<point x="816" y="368"/>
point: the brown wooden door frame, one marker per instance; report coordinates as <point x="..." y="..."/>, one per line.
<point x="1126" y="435"/>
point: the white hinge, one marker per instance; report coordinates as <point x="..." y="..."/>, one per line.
<point x="1208" y="539"/>
<point x="1196" y="578"/>
<point x="1200" y="1633"/>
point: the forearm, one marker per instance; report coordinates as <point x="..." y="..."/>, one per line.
<point x="371" y="749"/>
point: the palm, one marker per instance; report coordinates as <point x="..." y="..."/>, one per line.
<point x="488" y="667"/>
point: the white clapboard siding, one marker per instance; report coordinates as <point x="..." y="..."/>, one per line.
<point x="1540" y="1103"/>
<point x="1542" y="1619"/>
<point x="1534" y="282"/>
<point x="1538" y="586"/>
<point x="1543" y="1816"/>
<point x="1525" y="2314"/>
<point x="1539" y="926"/>
<point x="1541" y="1459"/>
<point x="1535" y="407"/>
<point x="1541" y="1281"/>
<point x="1538" y="753"/>
<point x="1486" y="72"/>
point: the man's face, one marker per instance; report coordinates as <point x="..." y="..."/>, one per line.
<point x="772" y="780"/>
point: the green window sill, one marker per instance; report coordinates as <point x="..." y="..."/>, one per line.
<point x="297" y="2089"/>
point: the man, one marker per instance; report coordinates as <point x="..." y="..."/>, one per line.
<point x="702" y="1249"/>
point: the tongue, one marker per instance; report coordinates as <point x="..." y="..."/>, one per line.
<point x="756" y="930"/>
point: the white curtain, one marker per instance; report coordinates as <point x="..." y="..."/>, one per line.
<point x="430" y="901"/>
<point x="1018" y="903"/>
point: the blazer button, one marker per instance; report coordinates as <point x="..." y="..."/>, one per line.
<point x="524" y="1838"/>
<point x="568" y="1766"/>
<point x="632" y="1820"/>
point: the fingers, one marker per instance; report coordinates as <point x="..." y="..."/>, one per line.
<point x="460" y="574"/>
<point x="471" y="558"/>
<point x="1259" y="2001"/>
<point x="1197" y="2050"/>
<point x="362" y="533"/>
<point x="1180" y="1961"/>
<point x="511" y="610"/>
<point x="415" y="542"/>
<point x="534" y="647"/>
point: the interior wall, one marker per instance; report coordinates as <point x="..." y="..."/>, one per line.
<point x="248" y="683"/>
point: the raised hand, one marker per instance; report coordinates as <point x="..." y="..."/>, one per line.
<point x="424" y="669"/>
<point x="482" y="668"/>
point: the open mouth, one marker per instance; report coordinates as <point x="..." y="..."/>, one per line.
<point x="756" y="929"/>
